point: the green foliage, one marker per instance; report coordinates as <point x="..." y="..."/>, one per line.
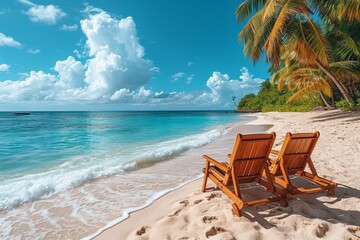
<point x="345" y="105"/>
<point x="342" y="104"/>
<point x="269" y="98"/>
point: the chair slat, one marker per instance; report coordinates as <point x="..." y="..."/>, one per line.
<point x="293" y="157"/>
<point x="248" y="161"/>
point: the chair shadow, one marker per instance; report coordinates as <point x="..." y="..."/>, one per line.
<point x="350" y="116"/>
<point x="308" y="206"/>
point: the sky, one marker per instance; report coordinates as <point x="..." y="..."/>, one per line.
<point x="123" y="55"/>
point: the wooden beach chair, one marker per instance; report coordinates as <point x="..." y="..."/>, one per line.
<point x="248" y="163"/>
<point x="292" y="159"/>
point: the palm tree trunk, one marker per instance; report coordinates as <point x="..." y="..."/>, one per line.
<point x="325" y="101"/>
<point x="351" y="89"/>
<point x="332" y="77"/>
<point x="345" y="88"/>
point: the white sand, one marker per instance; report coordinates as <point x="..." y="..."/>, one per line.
<point x="187" y="213"/>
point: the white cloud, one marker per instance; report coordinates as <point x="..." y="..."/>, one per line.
<point x="49" y="14"/>
<point x="37" y="86"/>
<point x="4" y="67"/>
<point x="8" y="41"/>
<point x="114" y="70"/>
<point x="28" y="3"/>
<point x="223" y="88"/>
<point x="189" y="79"/>
<point x="118" y="58"/>
<point x="115" y="61"/>
<point x="71" y="73"/>
<point x="73" y="27"/>
<point x="190" y="64"/>
<point x="177" y="76"/>
<point x="33" y="51"/>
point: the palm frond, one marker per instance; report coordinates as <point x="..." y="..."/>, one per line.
<point x="337" y="9"/>
<point x="317" y="41"/>
<point x="274" y="41"/>
<point x="248" y="7"/>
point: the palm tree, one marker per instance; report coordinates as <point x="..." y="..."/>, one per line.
<point x="233" y="99"/>
<point x="307" y="81"/>
<point x="344" y="38"/>
<point x="280" y="26"/>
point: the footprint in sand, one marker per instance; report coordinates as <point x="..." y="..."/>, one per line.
<point x="355" y="231"/>
<point x="198" y="201"/>
<point x="185" y="202"/>
<point x="208" y="219"/>
<point x="213" y="195"/>
<point x="214" y="231"/>
<point x="142" y="230"/>
<point x="322" y="230"/>
<point x="175" y="213"/>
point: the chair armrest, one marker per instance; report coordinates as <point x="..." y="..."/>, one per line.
<point x="273" y="151"/>
<point x="216" y="163"/>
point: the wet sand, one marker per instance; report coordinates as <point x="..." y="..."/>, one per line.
<point x="187" y="213"/>
<point x="82" y="211"/>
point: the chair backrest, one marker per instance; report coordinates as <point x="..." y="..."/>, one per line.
<point x="296" y="149"/>
<point x="249" y="155"/>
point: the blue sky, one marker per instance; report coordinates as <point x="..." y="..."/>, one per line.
<point x="122" y="55"/>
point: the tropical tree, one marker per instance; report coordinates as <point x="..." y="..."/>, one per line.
<point x="306" y="81"/>
<point x="288" y="26"/>
<point x="344" y="38"/>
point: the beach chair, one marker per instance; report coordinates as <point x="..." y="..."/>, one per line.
<point x="248" y="163"/>
<point x="292" y="159"/>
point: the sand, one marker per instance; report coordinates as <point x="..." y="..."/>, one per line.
<point x="187" y="213"/>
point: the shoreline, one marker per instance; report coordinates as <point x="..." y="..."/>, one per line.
<point x="154" y="223"/>
<point x="81" y="211"/>
<point x="228" y="137"/>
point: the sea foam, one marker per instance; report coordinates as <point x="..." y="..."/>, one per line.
<point x="79" y="170"/>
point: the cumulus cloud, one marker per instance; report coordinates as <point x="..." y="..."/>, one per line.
<point x="49" y="14"/>
<point x="223" y="87"/>
<point x="150" y="98"/>
<point x="4" y="67"/>
<point x="73" y="27"/>
<point x="37" y="86"/>
<point x="8" y="41"/>
<point x="113" y="69"/>
<point x="115" y="61"/>
<point x="71" y="73"/>
<point x="117" y="57"/>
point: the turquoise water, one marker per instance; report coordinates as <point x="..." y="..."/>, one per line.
<point x="45" y="152"/>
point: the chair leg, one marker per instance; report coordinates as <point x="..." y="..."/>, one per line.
<point x="236" y="210"/>
<point x="203" y="189"/>
<point x="331" y="191"/>
<point x="206" y="175"/>
<point x="284" y="200"/>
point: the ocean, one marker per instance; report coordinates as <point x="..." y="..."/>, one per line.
<point x="56" y="161"/>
